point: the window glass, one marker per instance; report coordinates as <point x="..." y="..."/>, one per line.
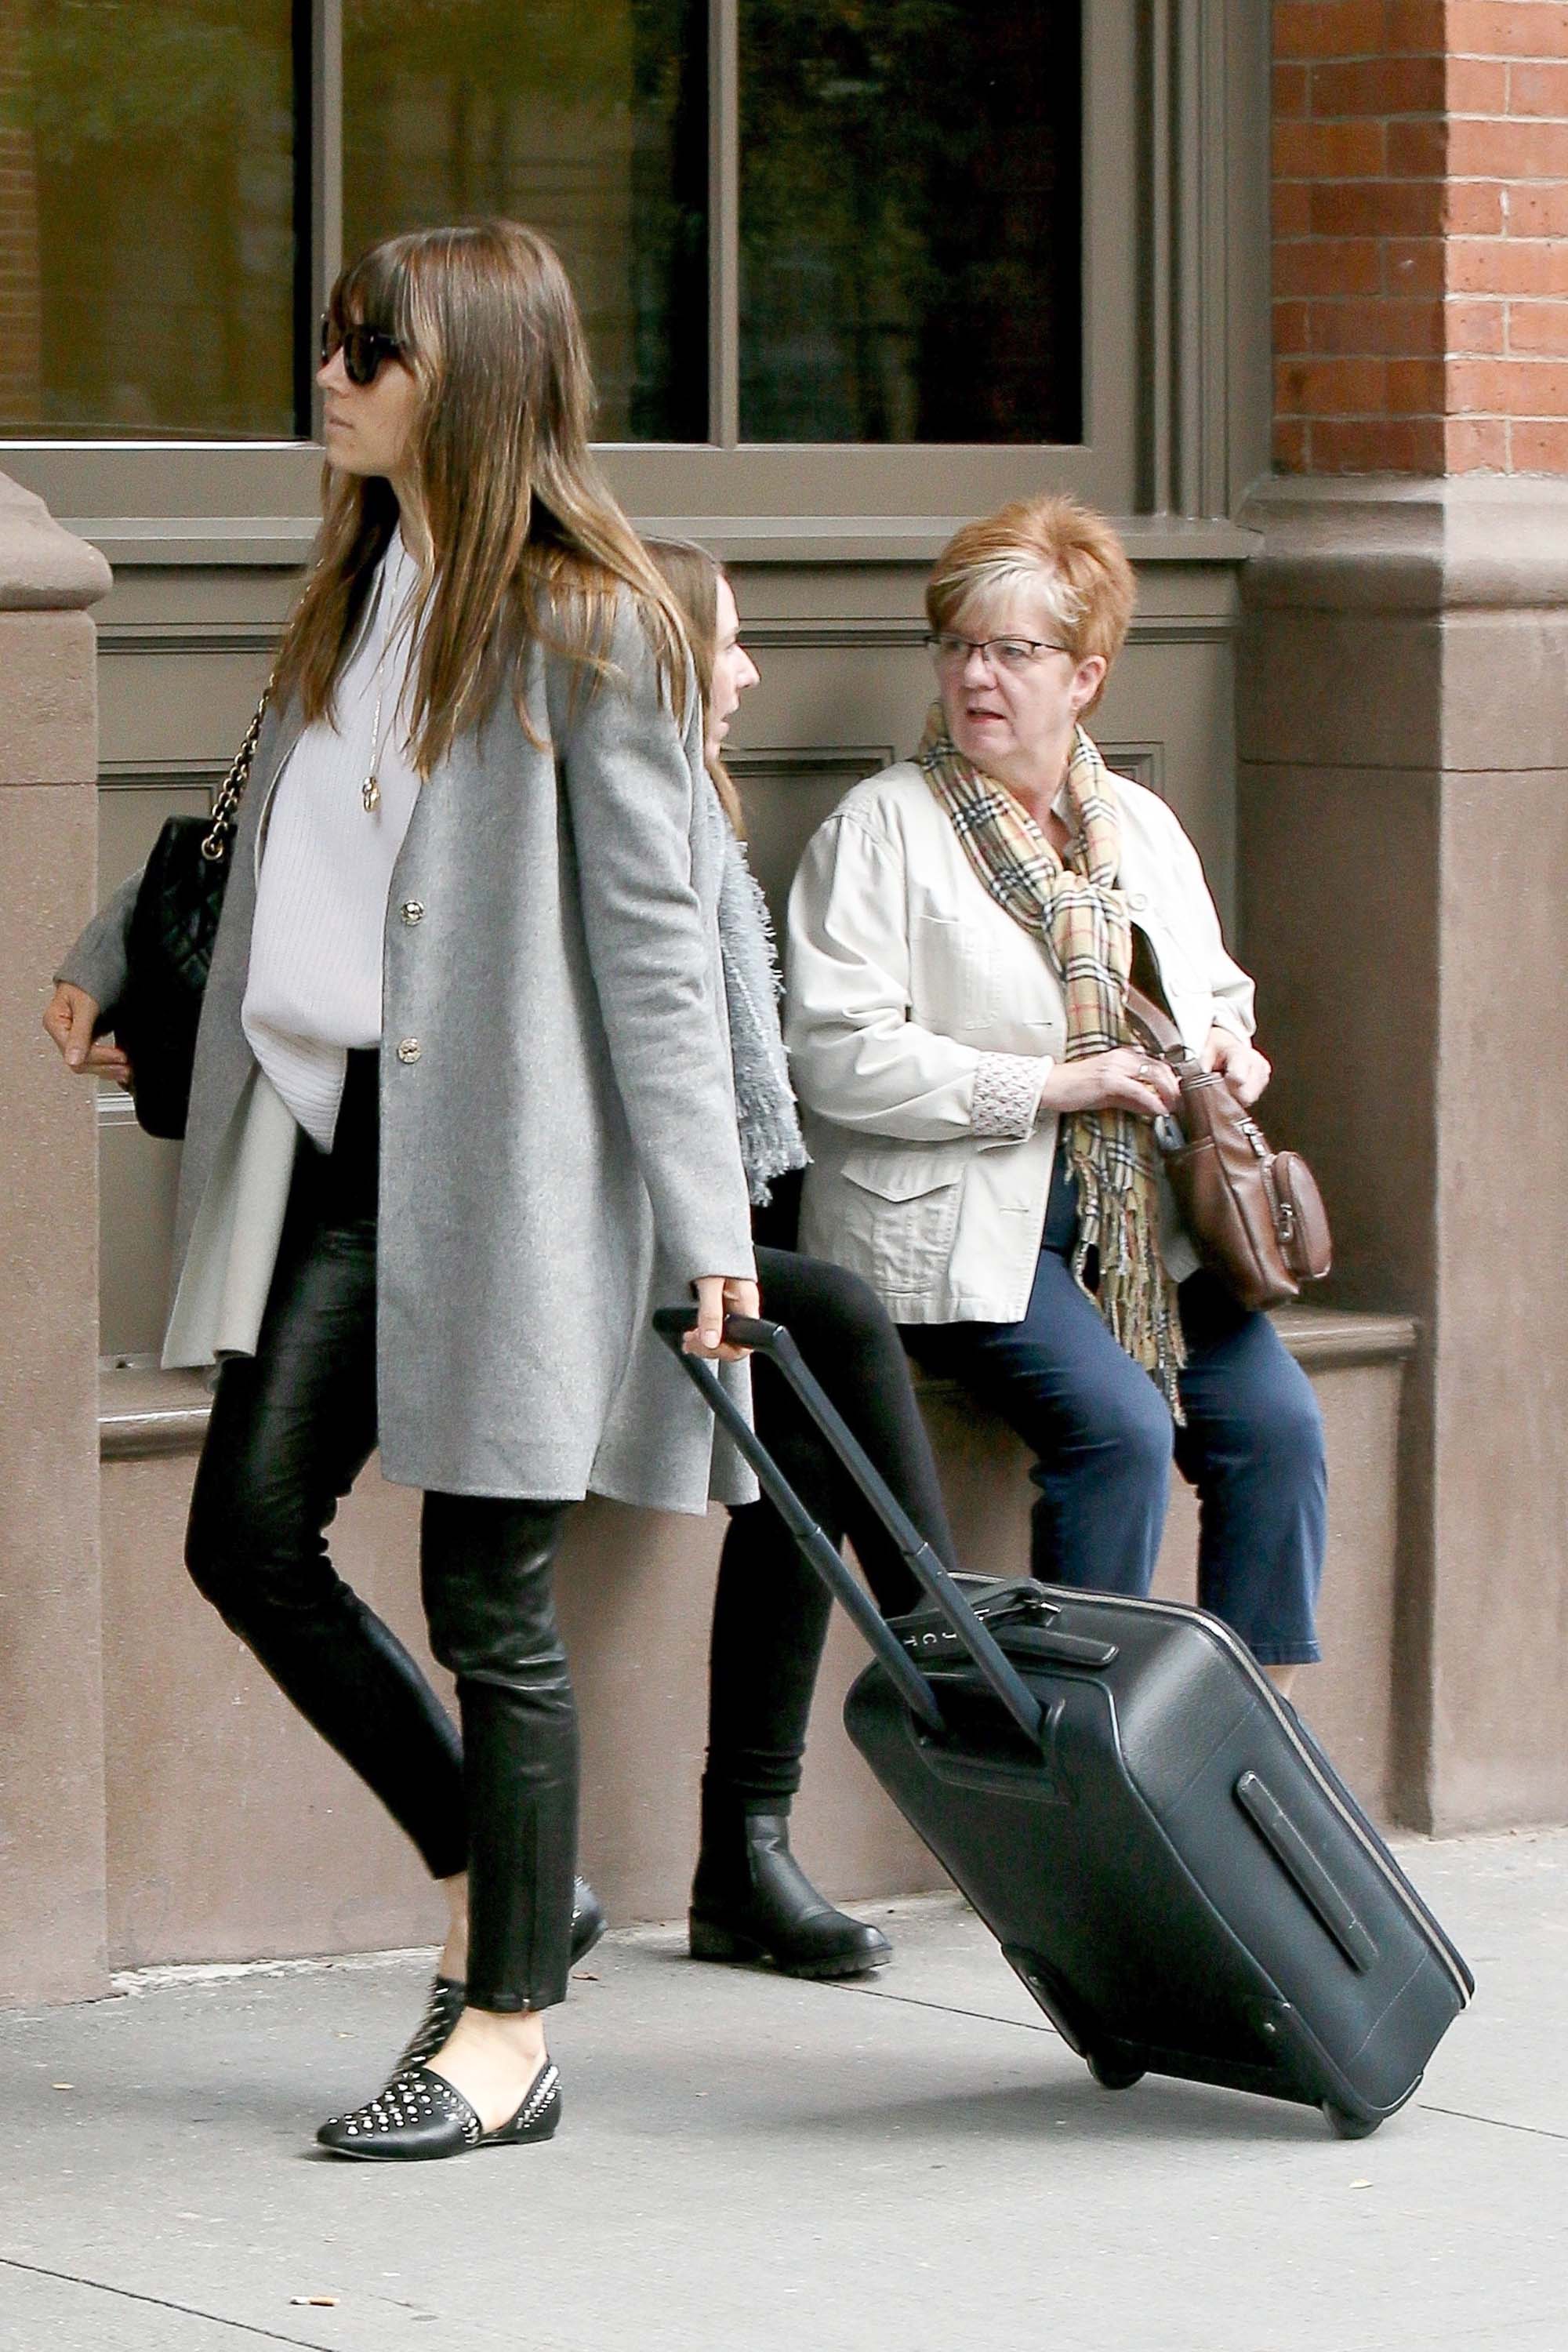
<point x="587" y="119"/>
<point x="146" y="217"/>
<point x="910" y="220"/>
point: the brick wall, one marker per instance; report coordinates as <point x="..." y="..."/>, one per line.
<point x="21" y="323"/>
<point x="1421" y="236"/>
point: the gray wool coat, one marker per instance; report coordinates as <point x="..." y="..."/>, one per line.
<point x="559" y="1147"/>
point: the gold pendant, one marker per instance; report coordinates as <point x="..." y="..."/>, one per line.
<point x="370" y="794"/>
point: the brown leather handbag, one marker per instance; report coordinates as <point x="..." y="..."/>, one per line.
<point x="1255" y="1217"/>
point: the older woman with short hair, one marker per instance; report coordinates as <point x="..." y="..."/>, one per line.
<point x="963" y="933"/>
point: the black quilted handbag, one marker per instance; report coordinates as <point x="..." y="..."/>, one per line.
<point x="169" y="948"/>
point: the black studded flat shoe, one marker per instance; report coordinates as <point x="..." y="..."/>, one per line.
<point x="420" y="2117"/>
<point x="442" y="2009"/>
<point x="445" y="2001"/>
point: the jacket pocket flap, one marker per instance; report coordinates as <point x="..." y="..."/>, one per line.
<point x="901" y="1174"/>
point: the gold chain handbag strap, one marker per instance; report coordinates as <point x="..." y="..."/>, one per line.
<point x="225" y="807"/>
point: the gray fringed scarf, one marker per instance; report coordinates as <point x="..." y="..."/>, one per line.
<point x="771" y="1139"/>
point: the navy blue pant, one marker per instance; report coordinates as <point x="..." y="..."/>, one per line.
<point x="1252" y="1446"/>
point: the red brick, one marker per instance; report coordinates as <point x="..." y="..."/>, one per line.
<point x="1474" y="328"/>
<point x="1418" y="26"/>
<point x="1391" y="444"/>
<point x="1537" y="447"/>
<point x="1416" y="149"/>
<point x="1329" y="151"/>
<point x="1538" y="329"/>
<point x="1508" y="265"/>
<point x="1290" y="328"/>
<point x="1416" y="265"/>
<point x="1292" y="207"/>
<point x="1378" y="328"/>
<point x="1289" y="90"/>
<point x="1473" y="208"/>
<point x="1477" y="388"/>
<point x="1538" y="89"/>
<point x="1415" y="387"/>
<point x="1328" y="265"/>
<point x="1476" y="85"/>
<point x="1475" y="445"/>
<point x="1508" y="28"/>
<point x="1379" y="85"/>
<point x="1508" y="151"/>
<point x="1376" y="207"/>
<point x="1313" y="388"/>
<point x="1327" y="29"/>
<point x="1533" y="210"/>
<point x="1509" y="387"/>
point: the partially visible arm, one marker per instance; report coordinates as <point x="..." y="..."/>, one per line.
<point x="629" y="777"/>
<point x="97" y="964"/>
<point x="1228" y="1048"/>
<point x="1234" y="992"/>
<point x="856" y="1056"/>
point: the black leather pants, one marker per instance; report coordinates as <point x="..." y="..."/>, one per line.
<point x="292" y="1428"/>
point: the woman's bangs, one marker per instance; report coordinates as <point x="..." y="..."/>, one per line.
<point x="369" y="293"/>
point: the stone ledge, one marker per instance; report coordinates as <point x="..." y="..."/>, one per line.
<point x="283" y="542"/>
<point x="144" y="1413"/>
<point x="1410" y="544"/>
<point x="42" y="567"/>
<point x="1321" y="1338"/>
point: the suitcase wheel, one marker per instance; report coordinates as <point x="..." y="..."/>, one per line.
<point x="1113" y="2077"/>
<point x="1347" y="2126"/>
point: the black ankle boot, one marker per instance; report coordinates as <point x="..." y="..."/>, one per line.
<point x="750" y="1900"/>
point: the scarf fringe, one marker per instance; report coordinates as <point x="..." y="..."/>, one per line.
<point x="770" y="1140"/>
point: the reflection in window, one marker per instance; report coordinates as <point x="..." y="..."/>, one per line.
<point x="146" y="217"/>
<point x="586" y="118"/>
<point x="910" y="220"/>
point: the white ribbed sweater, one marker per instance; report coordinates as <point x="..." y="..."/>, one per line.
<point x="324" y="871"/>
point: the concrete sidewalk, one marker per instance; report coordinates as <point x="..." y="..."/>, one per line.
<point x="918" y="2164"/>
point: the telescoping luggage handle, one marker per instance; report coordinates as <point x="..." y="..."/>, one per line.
<point x="772" y="1339"/>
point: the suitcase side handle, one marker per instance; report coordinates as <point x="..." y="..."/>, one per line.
<point x="772" y="1340"/>
<point x="1322" y="1892"/>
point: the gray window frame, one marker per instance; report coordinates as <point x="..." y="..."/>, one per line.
<point x="1175" y="354"/>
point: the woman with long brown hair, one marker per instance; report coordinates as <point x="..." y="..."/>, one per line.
<point x="750" y="1898"/>
<point x="462" y="1111"/>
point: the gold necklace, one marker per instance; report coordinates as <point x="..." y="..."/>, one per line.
<point x="370" y="790"/>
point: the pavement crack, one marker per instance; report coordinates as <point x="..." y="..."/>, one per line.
<point x="165" y="2303"/>
<point x="942" y="2008"/>
<point x="1497" y="2123"/>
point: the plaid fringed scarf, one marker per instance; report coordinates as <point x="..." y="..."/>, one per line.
<point x="1081" y="918"/>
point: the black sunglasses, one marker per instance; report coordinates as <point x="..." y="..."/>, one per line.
<point x="364" y="348"/>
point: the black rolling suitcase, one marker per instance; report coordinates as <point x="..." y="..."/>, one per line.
<point x="1166" y="1857"/>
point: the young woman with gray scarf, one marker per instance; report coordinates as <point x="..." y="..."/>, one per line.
<point x="750" y="1899"/>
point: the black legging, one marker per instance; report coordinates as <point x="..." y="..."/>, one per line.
<point x="291" y="1429"/>
<point x="771" y="1608"/>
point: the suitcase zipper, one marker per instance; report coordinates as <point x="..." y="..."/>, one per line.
<point x="1389" y="1873"/>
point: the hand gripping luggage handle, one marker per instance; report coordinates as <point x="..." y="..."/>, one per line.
<point x="772" y="1339"/>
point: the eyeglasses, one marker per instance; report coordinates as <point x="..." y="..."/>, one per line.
<point x="364" y="348"/>
<point x="998" y="653"/>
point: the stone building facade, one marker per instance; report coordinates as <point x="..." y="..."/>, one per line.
<point x="1336" y="439"/>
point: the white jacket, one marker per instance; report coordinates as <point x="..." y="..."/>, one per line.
<point x="921" y="1022"/>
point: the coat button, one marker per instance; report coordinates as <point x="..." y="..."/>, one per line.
<point x="412" y="911"/>
<point x="1137" y="901"/>
<point x="409" y="1049"/>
